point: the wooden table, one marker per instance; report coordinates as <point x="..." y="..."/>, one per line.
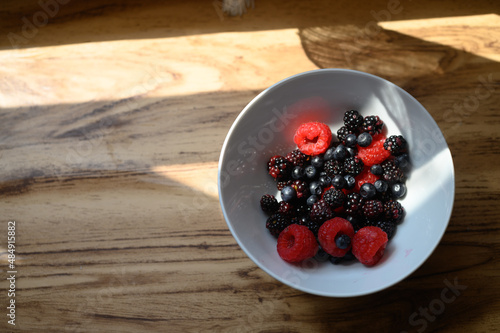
<point x="113" y="114"/>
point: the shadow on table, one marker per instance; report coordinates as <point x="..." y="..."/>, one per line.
<point x="31" y="23"/>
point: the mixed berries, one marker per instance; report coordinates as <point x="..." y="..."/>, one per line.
<point x="338" y="194"/>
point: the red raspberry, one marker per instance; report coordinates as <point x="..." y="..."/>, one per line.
<point x="368" y="245"/>
<point x="297" y="243"/>
<point x="313" y="138"/>
<point x="365" y="177"/>
<point x="330" y="230"/>
<point x="375" y="153"/>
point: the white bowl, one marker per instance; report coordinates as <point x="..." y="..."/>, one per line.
<point x="265" y="128"/>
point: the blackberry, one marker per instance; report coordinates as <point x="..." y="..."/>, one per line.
<point x="321" y="211"/>
<point x="297" y="158"/>
<point x="333" y="167"/>
<point x="353" y="165"/>
<point x="301" y="208"/>
<point x="279" y="168"/>
<point x="276" y="223"/>
<point x="335" y="198"/>
<point x="269" y="204"/>
<point x="396" y="144"/>
<point x="353" y="204"/>
<point x="313" y="226"/>
<point x="286" y="209"/>
<point x="372" y="125"/>
<point x="394" y="211"/>
<point x="301" y="188"/>
<point x="281" y="185"/>
<point x="392" y="173"/>
<point x="372" y="209"/>
<point x="387" y="226"/>
<point x="343" y="132"/>
<point x="353" y="120"/>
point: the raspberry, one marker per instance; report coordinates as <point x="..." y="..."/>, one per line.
<point x="343" y="132"/>
<point x="368" y="245"/>
<point x="395" y="144"/>
<point x="279" y="168"/>
<point x="372" y="209"/>
<point x="328" y="236"/>
<point x="353" y="166"/>
<point x="353" y="203"/>
<point x="313" y="138"/>
<point x="375" y="152"/>
<point x="353" y="120"/>
<point x="335" y="198"/>
<point x="321" y="211"/>
<point x="296" y="243"/>
<point x="297" y="158"/>
<point x="394" y="211"/>
<point x="269" y="204"/>
<point x="372" y="125"/>
<point x="276" y="223"/>
<point x="365" y="177"/>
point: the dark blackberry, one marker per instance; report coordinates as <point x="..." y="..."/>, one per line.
<point x="286" y="209"/>
<point x="321" y="211"/>
<point x="392" y="173"/>
<point x="353" y="120"/>
<point x="279" y="168"/>
<point x="353" y="204"/>
<point x="276" y="223"/>
<point x="357" y="222"/>
<point x="343" y="132"/>
<point x="372" y="209"/>
<point x="333" y="167"/>
<point x="269" y="204"/>
<point x="388" y="227"/>
<point x="297" y="158"/>
<point x="302" y="208"/>
<point x="313" y="226"/>
<point x="335" y="198"/>
<point x="396" y="144"/>
<point x="394" y="211"/>
<point x="353" y="165"/>
<point x="372" y="125"/>
<point x="301" y="188"/>
<point x="282" y="184"/>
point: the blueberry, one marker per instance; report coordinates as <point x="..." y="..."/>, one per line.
<point x="324" y="180"/>
<point x="311" y="171"/>
<point x="343" y="242"/>
<point x="288" y="193"/>
<point x="298" y="172"/>
<point x="317" y="161"/>
<point x="350" y="181"/>
<point x="377" y="170"/>
<point x="398" y="190"/>
<point x="321" y="255"/>
<point x="364" y="139"/>
<point x="312" y="200"/>
<point x="315" y="188"/>
<point x="349" y="256"/>
<point x="350" y="140"/>
<point x="340" y="153"/>
<point x="367" y="190"/>
<point x="381" y="185"/>
<point x="329" y="154"/>
<point x="403" y="162"/>
<point x="339" y="182"/>
<point x="352" y="151"/>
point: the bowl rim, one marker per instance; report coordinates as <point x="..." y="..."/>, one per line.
<point x="243" y="112"/>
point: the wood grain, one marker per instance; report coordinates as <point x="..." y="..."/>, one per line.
<point x="112" y="118"/>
